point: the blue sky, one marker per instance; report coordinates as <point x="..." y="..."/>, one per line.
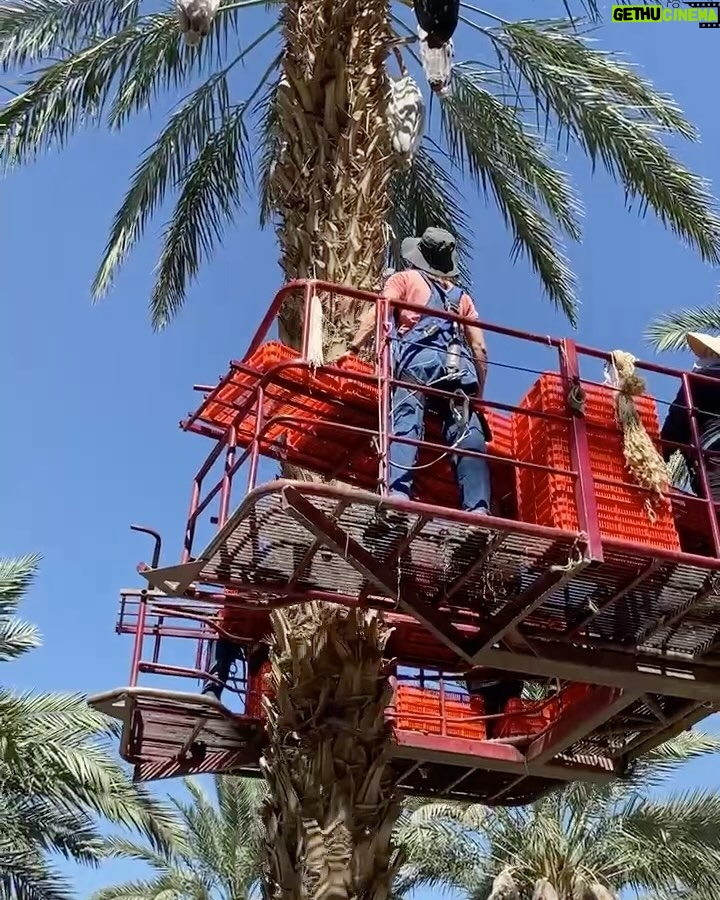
<point x="92" y="397"/>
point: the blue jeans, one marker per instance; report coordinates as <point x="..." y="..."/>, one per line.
<point x="408" y="421"/>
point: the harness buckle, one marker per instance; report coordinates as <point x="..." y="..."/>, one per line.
<point x="460" y="407"/>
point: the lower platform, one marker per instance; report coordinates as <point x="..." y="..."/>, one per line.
<point x="514" y="596"/>
<point x="170" y="733"/>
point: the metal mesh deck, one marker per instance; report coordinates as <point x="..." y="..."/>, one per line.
<point x="263" y="544"/>
<point x="627" y="602"/>
<point x="169" y="733"/>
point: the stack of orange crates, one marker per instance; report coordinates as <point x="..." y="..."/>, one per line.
<point x="424" y="710"/>
<point x="308" y="398"/>
<point x="528" y="718"/>
<point x="258" y="685"/>
<point x="546" y="498"/>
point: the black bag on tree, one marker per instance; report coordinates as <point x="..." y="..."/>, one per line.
<point x="439" y="18"/>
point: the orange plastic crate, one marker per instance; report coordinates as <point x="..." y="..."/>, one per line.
<point x="258" y="685"/>
<point x="532" y="717"/>
<point x="549" y="499"/>
<point x="420" y="709"/>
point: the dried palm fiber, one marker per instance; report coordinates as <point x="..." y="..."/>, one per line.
<point x="195" y="18"/>
<point x="406" y="113"/>
<point x="328" y="192"/>
<point x="598" y="892"/>
<point x="504" y="887"/>
<point x="642" y="459"/>
<point x="436" y="63"/>
<point x="330" y="817"/>
<point x="544" y="890"/>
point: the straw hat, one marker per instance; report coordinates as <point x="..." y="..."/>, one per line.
<point x="703" y="345"/>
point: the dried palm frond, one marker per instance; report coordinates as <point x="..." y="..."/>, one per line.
<point x="642" y="458"/>
<point x="504" y="887"/>
<point x="544" y="890"/>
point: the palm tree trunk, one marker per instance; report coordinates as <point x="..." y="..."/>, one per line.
<point x="332" y="808"/>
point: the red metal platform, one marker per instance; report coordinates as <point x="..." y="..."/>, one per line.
<point x="170" y="733"/>
<point x="571" y="578"/>
<point x="441" y="747"/>
<point x="648" y="616"/>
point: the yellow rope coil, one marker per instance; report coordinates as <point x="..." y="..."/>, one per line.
<point x="642" y="459"/>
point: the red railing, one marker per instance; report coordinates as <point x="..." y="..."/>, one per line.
<point x="227" y="460"/>
<point x="425" y="700"/>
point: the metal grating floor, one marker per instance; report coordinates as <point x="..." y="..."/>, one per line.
<point x="263" y="544"/>
<point x="627" y="602"/>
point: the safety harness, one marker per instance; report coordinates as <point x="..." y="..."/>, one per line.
<point x="434" y="352"/>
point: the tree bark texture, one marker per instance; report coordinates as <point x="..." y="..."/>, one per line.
<point x="333" y="805"/>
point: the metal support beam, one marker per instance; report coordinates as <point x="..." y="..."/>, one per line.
<point x="709" y="589"/>
<point x="384" y="578"/>
<point x="646" y="674"/>
<point x="521" y="606"/>
<point x="598" y="606"/>
<point x="492" y="756"/>
<point x="681" y="721"/>
<point x="493" y="544"/>
<point x="578" y="722"/>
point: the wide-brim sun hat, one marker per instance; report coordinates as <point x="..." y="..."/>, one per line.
<point x="703" y="344"/>
<point x="435" y="252"/>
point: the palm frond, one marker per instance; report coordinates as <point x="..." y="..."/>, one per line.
<point x="16" y="577"/>
<point x="34" y="29"/>
<point x="426" y="194"/>
<point x="17" y="638"/>
<point x="669" y="331"/>
<point x="162" y="167"/>
<point x="72" y="92"/>
<point x="618" y="119"/>
<point x="210" y="194"/>
<point x="268" y="150"/>
<point x="26" y="874"/>
<point x="488" y="139"/>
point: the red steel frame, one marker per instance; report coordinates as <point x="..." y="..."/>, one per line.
<point x="622" y="677"/>
<point x="569" y="354"/>
<point x="541" y="766"/>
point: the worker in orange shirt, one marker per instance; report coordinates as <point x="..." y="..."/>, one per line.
<point x="434" y="352"/>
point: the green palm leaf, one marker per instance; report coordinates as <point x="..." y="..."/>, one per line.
<point x="488" y="139"/>
<point x="59" y="777"/>
<point x="210" y="194"/>
<point x="669" y="331"/>
<point x="624" y="835"/>
<point x="618" y="119"/>
<point x="217" y="849"/>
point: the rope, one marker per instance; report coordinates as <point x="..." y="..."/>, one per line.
<point x="575" y="561"/>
